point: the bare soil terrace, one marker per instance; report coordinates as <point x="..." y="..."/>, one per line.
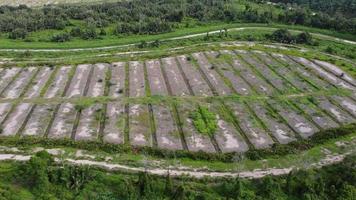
<point x="258" y="99"/>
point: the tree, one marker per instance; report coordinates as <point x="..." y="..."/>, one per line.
<point x="35" y="173"/>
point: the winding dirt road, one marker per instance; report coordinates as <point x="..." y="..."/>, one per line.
<point x="173" y="39"/>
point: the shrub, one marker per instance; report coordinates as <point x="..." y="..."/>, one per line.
<point x="102" y="32"/>
<point x="282" y="36"/>
<point x="330" y="50"/>
<point x="18" y="33"/>
<point x="143" y="44"/>
<point x="76" y="32"/>
<point x="62" y="37"/>
<point x="89" y="33"/>
<point x="304" y="38"/>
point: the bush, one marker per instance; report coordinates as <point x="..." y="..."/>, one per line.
<point x="282" y="36"/>
<point x="18" y="33"/>
<point x="304" y="38"/>
<point x="102" y="32"/>
<point x="76" y="32"/>
<point x="62" y="37"/>
<point x="89" y="33"/>
<point x="330" y="50"/>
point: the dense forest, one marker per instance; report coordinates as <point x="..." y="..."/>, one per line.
<point x="156" y="16"/>
<point x="41" y="178"/>
<point x="346" y="8"/>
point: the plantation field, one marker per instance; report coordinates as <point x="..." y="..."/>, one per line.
<point x="211" y="101"/>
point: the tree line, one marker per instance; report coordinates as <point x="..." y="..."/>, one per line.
<point x="154" y="16"/>
<point x="346" y="8"/>
<point x="47" y="180"/>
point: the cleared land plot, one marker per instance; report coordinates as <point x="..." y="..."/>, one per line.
<point x="15" y="89"/>
<point x="259" y="116"/>
<point x="4" y="110"/>
<point x="38" y="83"/>
<point x="117" y="82"/>
<point x="174" y="77"/>
<point x="39" y="120"/>
<point x="294" y="118"/>
<point x="140" y="126"/>
<point x="212" y="76"/>
<point x="137" y="79"/>
<point x="236" y="82"/>
<point x="89" y="123"/>
<point x="115" y="122"/>
<point x="307" y="75"/>
<point x="57" y="87"/>
<point x="264" y="71"/>
<point x="155" y="78"/>
<point x="260" y="85"/>
<point x="250" y="126"/>
<point x="285" y="72"/>
<point x="335" y="111"/>
<point x="195" y="140"/>
<point x="6" y="76"/>
<point x="97" y="81"/>
<point x="63" y="122"/>
<point x="331" y="78"/>
<point x="15" y="120"/>
<point x="318" y="117"/>
<point x="273" y="122"/>
<point x="336" y="71"/>
<point x="167" y="133"/>
<point x="346" y="103"/>
<point x="194" y="78"/>
<point x="79" y="81"/>
<point x="226" y="135"/>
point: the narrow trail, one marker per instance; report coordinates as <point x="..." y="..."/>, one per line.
<point x="173" y="39"/>
<point x="257" y="173"/>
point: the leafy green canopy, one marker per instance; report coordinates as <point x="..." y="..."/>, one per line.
<point x="42" y="179"/>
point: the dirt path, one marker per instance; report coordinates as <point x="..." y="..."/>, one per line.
<point x="257" y="173"/>
<point x="172" y="39"/>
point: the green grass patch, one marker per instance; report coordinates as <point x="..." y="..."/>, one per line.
<point x="204" y="121"/>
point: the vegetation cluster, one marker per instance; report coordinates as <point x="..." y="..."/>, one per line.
<point x="154" y="17"/>
<point x="204" y="121"/>
<point x="41" y="178"/>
